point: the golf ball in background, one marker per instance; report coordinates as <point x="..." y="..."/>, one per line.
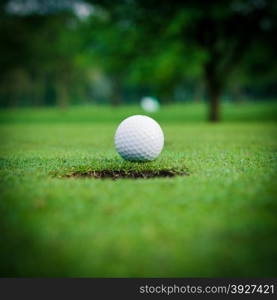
<point x="150" y="104"/>
<point x="139" y="138"/>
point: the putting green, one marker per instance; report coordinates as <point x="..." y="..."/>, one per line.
<point x="218" y="221"/>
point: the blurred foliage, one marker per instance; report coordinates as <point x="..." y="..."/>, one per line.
<point x="62" y="52"/>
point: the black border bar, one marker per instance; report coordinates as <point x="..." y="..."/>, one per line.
<point x="136" y="288"/>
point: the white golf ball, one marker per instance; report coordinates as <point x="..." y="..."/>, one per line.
<point x="139" y="138"/>
<point x="150" y="104"/>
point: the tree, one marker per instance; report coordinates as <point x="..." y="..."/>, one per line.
<point x="109" y="44"/>
<point x="40" y="50"/>
<point x="158" y="46"/>
<point x="224" y="32"/>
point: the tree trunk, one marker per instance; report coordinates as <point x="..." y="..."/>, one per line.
<point x="116" y="97"/>
<point x="214" y="104"/>
<point x="62" y="94"/>
<point x="237" y="94"/>
<point x="13" y="99"/>
<point x="214" y="89"/>
<point x="38" y="92"/>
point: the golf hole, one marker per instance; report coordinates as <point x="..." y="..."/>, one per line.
<point x="131" y="174"/>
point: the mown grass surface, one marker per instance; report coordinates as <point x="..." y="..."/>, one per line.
<point x="218" y="221"/>
<point x="189" y="112"/>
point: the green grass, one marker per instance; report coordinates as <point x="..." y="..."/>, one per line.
<point x="189" y="112"/>
<point x="218" y="221"/>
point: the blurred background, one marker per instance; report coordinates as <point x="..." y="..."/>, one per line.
<point x="70" y="52"/>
